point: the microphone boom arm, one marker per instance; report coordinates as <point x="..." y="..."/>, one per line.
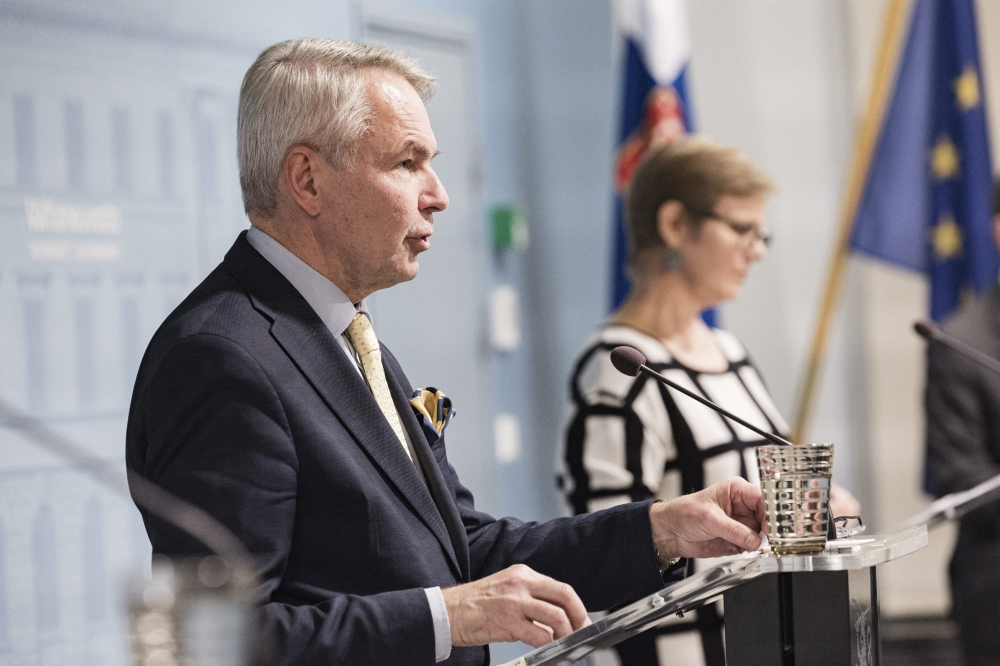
<point x="771" y="437"/>
<point x="956" y="505"/>
<point x="930" y="331"/>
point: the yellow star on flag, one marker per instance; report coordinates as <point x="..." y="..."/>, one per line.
<point x="947" y="238"/>
<point x="944" y="158"/>
<point x="967" y="89"/>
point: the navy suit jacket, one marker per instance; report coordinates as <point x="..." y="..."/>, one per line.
<point x="246" y="406"/>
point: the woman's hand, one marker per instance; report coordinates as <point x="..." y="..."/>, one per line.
<point x="842" y="502"/>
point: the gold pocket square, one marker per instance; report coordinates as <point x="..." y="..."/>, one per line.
<point x="434" y="411"/>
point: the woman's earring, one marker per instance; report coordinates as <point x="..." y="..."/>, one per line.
<point x="673" y="260"/>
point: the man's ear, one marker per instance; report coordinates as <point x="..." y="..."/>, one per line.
<point x="671" y="223"/>
<point x="300" y="173"/>
<point x="996" y="229"/>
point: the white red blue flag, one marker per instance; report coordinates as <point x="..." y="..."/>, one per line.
<point x="655" y="101"/>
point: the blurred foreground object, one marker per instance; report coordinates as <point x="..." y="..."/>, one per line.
<point x="918" y="193"/>
<point x="193" y="612"/>
<point x="196" y="612"/>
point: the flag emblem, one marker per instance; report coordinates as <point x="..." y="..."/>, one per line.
<point x="967" y="89"/>
<point x="947" y="239"/>
<point x="944" y="159"/>
<point x="662" y="121"/>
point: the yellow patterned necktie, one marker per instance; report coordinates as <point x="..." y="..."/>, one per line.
<point x="362" y="337"/>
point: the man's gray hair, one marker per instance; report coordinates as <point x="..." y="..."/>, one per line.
<point x="309" y="92"/>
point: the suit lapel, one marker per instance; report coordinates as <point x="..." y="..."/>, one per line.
<point x="435" y="480"/>
<point x="313" y="349"/>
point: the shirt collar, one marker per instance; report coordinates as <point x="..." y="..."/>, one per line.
<point x="329" y="302"/>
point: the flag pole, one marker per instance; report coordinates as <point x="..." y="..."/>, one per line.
<point x="893" y="33"/>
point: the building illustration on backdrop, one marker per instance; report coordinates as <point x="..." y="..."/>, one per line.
<point x="117" y="195"/>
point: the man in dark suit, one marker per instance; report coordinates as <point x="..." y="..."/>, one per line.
<point x="266" y="399"/>
<point x="963" y="450"/>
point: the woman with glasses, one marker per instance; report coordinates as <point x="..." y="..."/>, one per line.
<point x="695" y="224"/>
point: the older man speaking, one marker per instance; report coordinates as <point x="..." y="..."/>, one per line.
<point x="266" y="399"/>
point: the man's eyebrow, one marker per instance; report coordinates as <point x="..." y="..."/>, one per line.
<point x="419" y="150"/>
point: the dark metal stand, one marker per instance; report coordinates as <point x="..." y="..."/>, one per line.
<point x="814" y="618"/>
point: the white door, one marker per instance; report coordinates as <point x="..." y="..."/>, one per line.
<point x="435" y="324"/>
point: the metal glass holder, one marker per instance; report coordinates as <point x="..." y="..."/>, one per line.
<point x="708" y="585"/>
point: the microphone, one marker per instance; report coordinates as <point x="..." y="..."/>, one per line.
<point x="630" y="361"/>
<point x="930" y="332"/>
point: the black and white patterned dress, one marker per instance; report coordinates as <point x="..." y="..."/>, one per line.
<point x="630" y="438"/>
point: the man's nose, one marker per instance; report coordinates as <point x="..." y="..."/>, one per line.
<point x="434" y="199"/>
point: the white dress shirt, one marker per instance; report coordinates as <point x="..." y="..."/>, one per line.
<point x="337" y="311"/>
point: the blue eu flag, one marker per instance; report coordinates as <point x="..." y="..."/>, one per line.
<point x="926" y="202"/>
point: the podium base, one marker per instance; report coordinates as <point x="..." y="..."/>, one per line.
<point x="817" y="618"/>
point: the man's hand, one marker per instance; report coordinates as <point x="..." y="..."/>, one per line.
<point x="723" y="519"/>
<point x="842" y="502"/>
<point x="509" y="606"/>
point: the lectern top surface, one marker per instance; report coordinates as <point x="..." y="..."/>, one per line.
<point x="696" y="590"/>
<point x="849" y="554"/>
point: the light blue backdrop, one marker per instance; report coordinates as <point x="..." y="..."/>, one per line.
<point x="118" y="193"/>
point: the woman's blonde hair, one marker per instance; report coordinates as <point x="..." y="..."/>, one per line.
<point x="694" y="171"/>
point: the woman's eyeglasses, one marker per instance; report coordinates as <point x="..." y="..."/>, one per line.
<point x="748" y="233"/>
